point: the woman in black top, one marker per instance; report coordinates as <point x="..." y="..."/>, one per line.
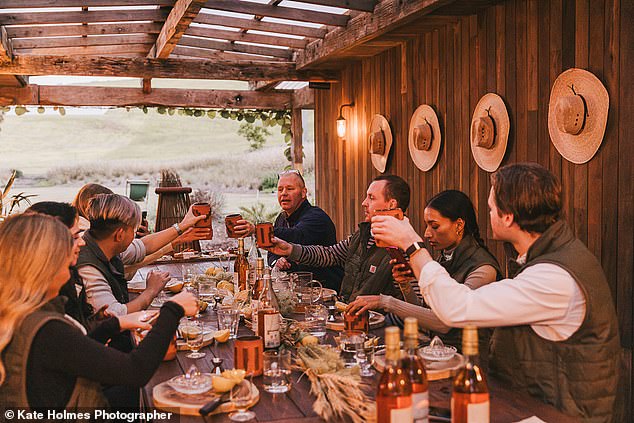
<point x="47" y="360"/>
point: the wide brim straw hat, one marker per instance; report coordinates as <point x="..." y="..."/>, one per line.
<point x="577" y="114"/>
<point x="491" y="118"/>
<point x="380" y="126"/>
<point x="425" y="138"/>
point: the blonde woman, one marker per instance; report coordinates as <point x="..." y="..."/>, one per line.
<point x="47" y="361"/>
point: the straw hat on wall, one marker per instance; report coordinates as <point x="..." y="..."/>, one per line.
<point x="489" y="132"/>
<point x="424" y="137"/>
<point x="577" y="114"/>
<point x="379" y="141"/>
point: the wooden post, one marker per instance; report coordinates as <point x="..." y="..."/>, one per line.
<point x="297" y="149"/>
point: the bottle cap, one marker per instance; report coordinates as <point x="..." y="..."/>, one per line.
<point x="470" y="340"/>
<point x="411" y="327"/>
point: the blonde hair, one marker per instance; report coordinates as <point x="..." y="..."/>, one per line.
<point x="33" y="248"/>
<point x="87" y="193"/>
<point x="108" y="212"/>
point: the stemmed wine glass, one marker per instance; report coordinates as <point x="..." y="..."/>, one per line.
<point x="241" y="396"/>
<point x="193" y="332"/>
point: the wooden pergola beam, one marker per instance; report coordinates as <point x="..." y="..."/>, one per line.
<point x="360" y="5"/>
<point x="138" y="49"/>
<point x="242" y="48"/>
<point x="263" y="85"/>
<point x="220" y="34"/>
<point x="117" y="96"/>
<point x="278" y="12"/>
<point x="38" y="18"/>
<point x="181" y="15"/>
<point x="388" y="14"/>
<point x="6" y="48"/>
<point x="14" y="4"/>
<point x="303" y="98"/>
<point x="252" y="24"/>
<point x="82" y="30"/>
<point x="189" y="52"/>
<point x="32" y="43"/>
<point x="141" y="67"/>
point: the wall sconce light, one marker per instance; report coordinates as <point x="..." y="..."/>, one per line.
<point x="341" y="121"/>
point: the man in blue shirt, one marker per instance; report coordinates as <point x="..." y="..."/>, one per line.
<point x="301" y="223"/>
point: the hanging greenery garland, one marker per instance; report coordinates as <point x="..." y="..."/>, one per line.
<point x="269" y="118"/>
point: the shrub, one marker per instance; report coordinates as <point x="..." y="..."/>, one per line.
<point x="258" y="213"/>
<point x="269" y="183"/>
<point x="215" y="199"/>
<point x="255" y="135"/>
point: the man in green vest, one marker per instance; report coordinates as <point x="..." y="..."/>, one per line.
<point x="556" y="334"/>
<point x="367" y="269"/>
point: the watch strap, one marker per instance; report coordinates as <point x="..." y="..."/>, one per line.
<point x="178" y="228"/>
<point x="414" y="248"/>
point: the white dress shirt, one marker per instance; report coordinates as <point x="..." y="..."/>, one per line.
<point x="544" y="296"/>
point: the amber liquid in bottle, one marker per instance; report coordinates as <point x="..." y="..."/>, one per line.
<point x="415" y="368"/>
<point x="256" y="291"/>
<point x="241" y="267"/>
<point x="394" y="395"/>
<point x="269" y="316"/>
<point x="470" y="396"/>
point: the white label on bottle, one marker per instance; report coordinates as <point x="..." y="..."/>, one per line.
<point x="478" y="413"/>
<point x="420" y="405"/>
<point x="401" y="415"/>
<point x="271" y="330"/>
<point x="255" y="306"/>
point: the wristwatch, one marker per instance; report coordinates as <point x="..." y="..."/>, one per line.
<point x="178" y="228"/>
<point x="414" y="248"/>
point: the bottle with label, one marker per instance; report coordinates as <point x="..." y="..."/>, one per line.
<point x="254" y="254"/>
<point x="240" y="268"/>
<point x="269" y="315"/>
<point x="415" y="368"/>
<point x="256" y="290"/>
<point x="394" y="396"/>
<point x="470" y="396"/>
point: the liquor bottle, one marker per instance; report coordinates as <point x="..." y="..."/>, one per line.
<point x="415" y="368"/>
<point x="269" y="315"/>
<point x="256" y="290"/>
<point x="254" y="254"/>
<point x="394" y="396"/>
<point x="240" y="268"/>
<point x="470" y="396"/>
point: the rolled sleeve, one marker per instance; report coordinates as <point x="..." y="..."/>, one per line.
<point x="99" y="293"/>
<point x="135" y="252"/>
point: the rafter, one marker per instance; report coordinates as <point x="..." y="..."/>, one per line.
<point x="246" y="37"/>
<point x="6" y="48"/>
<point x="278" y="12"/>
<point x="304" y="98"/>
<point x="209" y="19"/>
<point x="181" y="15"/>
<point x="361" y="5"/>
<point x="35" y="43"/>
<point x="78" y="30"/>
<point x="89" y="50"/>
<point x="118" y="96"/>
<point x="242" y="48"/>
<point x="14" y="4"/>
<point x="139" y="67"/>
<point x="387" y="15"/>
<point x="38" y="18"/>
<point x="189" y="52"/>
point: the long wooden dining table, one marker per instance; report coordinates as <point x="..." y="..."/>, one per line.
<point x="297" y="404"/>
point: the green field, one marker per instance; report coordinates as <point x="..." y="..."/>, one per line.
<point x="57" y="154"/>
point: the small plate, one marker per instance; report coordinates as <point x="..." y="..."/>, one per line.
<point x="191" y="386"/>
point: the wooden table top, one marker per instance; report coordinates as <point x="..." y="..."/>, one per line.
<point x="506" y="405"/>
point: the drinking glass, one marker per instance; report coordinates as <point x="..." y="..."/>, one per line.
<point x="350" y="340"/>
<point x="277" y="371"/>
<point x="365" y="358"/>
<point x="188" y="274"/>
<point x="315" y="316"/>
<point x="229" y="318"/>
<point x="241" y="396"/>
<point x="193" y="332"/>
<point x="207" y="290"/>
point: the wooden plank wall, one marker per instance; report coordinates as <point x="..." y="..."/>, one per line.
<point x="516" y="48"/>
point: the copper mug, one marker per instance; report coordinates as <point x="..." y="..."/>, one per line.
<point x="230" y="223"/>
<point x="357" y="321"/>
<point x="247" y="354"/>
<point x="199" y="209"/>
<point x="397" y="213"/>
<point x="264" y="234"/>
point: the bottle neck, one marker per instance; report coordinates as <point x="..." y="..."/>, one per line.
<point x="411" y="344"/>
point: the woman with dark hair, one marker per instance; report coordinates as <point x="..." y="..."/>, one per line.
<point x="453" y="231"/>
